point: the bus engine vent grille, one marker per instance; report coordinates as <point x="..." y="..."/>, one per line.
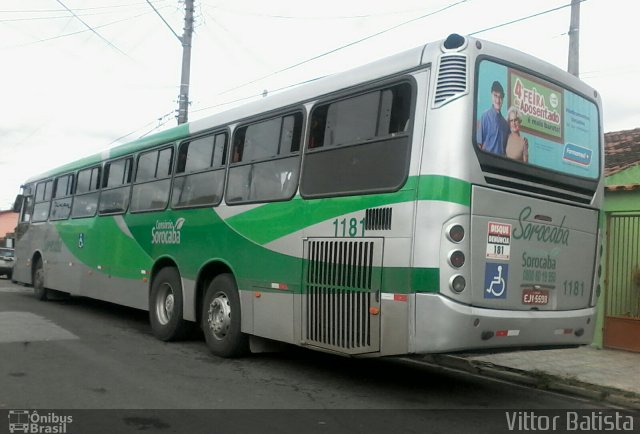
<point x="452" y="79"/>
<point x="378" y="219"/>
<point x="341" y="289"/>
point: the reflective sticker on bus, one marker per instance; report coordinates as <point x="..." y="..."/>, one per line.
<point x="394" y="297"/>
<point x="507" y="333"/>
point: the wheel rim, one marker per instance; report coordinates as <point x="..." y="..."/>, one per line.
<point x="165" y="303"/>
<point x="219" y="317"/>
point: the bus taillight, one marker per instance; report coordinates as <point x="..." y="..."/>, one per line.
<point x="456" y="258"/>
<point x="456" y="233"/>
<point x="458" y="284"/>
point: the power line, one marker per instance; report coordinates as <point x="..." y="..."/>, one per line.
<point x="79" y="31"/>
<point x="76" y="9"/>
<point x="214" y="106"/>
<point x="521" y="19"/>
<point x="102" y="10"/>
<point x="55" y="17"/>
<point x="92" y="29"/>
<point x="164" y="116"/>
<point x="164" y="21"/>
<point x="346" y="46"/>
<point x="13" y="20"/>
<point x="254" y="55"/>
<point x="393" y="28"/>
<point x="257" y="95"/>
<point x="309" y="17"/>
<point x="162" y="121"/>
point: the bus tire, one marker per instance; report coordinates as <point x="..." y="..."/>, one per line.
<point x="165" y="306"/>
<point x="221" y="318"/>
<point x="39" y="290"/>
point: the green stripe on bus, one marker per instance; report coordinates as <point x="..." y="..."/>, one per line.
<point x="444" y="188"/>
<point x="100" y="244"/>
<point x="425" y="279"/>
<point x="299" y="213"/>
<point x="397" y="280"/>
<point x="404" y="280"/>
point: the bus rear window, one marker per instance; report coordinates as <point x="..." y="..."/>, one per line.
<point x="527" y="119"/>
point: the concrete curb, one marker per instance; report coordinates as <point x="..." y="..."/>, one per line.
<point x="539" y="379"/>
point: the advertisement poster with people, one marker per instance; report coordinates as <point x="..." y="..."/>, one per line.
<point x="528" y="119"/>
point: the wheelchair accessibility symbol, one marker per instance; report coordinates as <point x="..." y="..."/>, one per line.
<point x="495" y="280"/>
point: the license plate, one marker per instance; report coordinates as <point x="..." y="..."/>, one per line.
<point x="535" y="296"/>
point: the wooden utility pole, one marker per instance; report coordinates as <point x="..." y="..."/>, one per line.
<point x="574" y="39"/>
<point x="183" y="99"/>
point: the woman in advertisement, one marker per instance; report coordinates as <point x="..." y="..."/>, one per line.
<point x="517" y="146"/>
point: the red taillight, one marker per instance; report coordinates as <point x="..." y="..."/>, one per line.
<point x="456" y="258"/>
<point x="456" y="233"/>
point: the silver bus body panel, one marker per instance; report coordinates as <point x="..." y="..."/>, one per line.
<point x="64" y="273"/>
<point x="445" y="326"/>
<point x="538" y="244"/>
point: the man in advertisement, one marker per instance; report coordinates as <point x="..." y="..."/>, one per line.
<point x="494" y="129"/>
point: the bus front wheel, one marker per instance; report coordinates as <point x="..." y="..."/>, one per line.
<point x="221" y="320"/>
<point x="165" y="306"/>
<point x="39" y="290"/>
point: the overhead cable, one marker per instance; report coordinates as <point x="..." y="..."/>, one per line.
<point x="92" y="29"/>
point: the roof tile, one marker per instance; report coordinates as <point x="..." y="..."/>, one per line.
<point x="621" y="150"/>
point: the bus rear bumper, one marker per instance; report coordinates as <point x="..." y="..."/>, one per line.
<point x="443" y="325"/>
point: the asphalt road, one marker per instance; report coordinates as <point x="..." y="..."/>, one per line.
<point x="77" y="353"/>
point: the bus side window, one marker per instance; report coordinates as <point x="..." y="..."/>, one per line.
<point x="27" y="204"/>
<point x="85" y="203"/>
<point x="62" y="197"/>
<point x="266" y="160"/>
<point x="27" y="210"/>
<point x="353" y="119"/>
<point x="400" y="110"/>
<point x="42" y="201"/>
<point x="114" y="197"/>
<point x="199" y="179"/>
<point x="153" y="180"/>
<point x="318" y="122"/>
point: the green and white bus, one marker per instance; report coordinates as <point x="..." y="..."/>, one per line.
<point x="443" y="199"/>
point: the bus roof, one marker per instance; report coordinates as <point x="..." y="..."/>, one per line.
<point x="308" y="91"/>
<point x="384" y="67"/>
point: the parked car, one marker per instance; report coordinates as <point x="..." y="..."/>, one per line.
<point x="6" y="261"/>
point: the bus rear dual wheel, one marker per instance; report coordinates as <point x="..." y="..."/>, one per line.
<point x="221" y="318"/>
<point x="220" y="313"/>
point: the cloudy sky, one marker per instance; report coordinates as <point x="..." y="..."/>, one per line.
<point x="78" y="82"/>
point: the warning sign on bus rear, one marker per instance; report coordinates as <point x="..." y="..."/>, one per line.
<point x="499" y="241"/>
